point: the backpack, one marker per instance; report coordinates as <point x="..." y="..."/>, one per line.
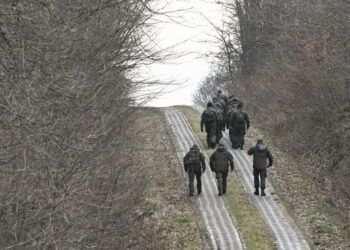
<point x="239" y="118"/>
<point x="209" y="116"/>
<point x="193" y="158"/>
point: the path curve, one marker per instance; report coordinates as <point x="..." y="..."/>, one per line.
<point x="222" y="232"/>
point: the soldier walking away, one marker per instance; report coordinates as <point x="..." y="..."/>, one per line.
<point x="231" y="107"/>
<point x="222" y="96"/>
<point x="194" y="164"/>
<point x="260" y="156"/>
<point x="220" y="161"/>
<point x="209" y="119"/>
<point x="238" y="125"/>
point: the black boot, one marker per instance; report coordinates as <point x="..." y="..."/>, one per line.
<point x="256" y="191"/>
<point x="263" y="192"/>
<point x="191" y="194"/>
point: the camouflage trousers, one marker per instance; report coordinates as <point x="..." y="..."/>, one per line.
<point x="237" y="137"/>
<point x="262" y="174"/>
<point x="198" y="175"/>
<point x="221" y="178"/>
<point x="211" y="135"/>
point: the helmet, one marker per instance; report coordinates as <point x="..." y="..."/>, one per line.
<point x="260" y="141"/>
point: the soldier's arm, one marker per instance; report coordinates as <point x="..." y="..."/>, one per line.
<point x="202" y="162"/>
<point x="251" y="151"/>
<point x="232" y="119"/>
<point x="202" y="122"/>
<point x="185" y="165"/>
<point x="269" y="156"/>
<point x="211" y="162"/>
<point x="247" y="120"/>
<point x="230" y="159"/>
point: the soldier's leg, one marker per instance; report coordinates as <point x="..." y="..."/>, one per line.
<point x="213" y="136"/>
<point x="191" y="180"/>
<point x="256" y="181"/>
<point x="263" y="180"/>
<point x="199" y="181"/>
<point x="242" y="142"/>
<point x="219" y="180"/>
<point x="232" y="137"/>
<point x="224" y="182"/>
<point x="243" y="135"/>
<point x="208" y="139"/>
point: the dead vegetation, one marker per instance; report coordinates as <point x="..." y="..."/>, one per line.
<point x="288" y="62"/>
<point x="66" y="119"/>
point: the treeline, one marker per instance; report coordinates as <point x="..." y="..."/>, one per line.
<point x="288" y="61"/>
<point x="65" y="120"/>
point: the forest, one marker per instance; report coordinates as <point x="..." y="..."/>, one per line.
<point x="288" y="61"/>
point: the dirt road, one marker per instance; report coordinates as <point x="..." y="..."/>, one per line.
<point x="221" y="228"/>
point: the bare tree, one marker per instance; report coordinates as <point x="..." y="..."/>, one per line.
<point x="65" y="118"/>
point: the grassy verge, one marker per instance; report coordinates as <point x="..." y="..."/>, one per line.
<point x="252" y="228"/>
<point x="170" y="218"/>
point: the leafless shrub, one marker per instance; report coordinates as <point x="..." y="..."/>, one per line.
<point x="65" y="120"/>
<point x="293" y="76"/>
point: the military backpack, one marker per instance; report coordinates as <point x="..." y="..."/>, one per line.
<point x="209" y="116"/>
<point x="193" y="160"/>
<point x="239" y="118"/>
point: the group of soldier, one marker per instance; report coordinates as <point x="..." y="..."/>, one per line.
<point x="226" y="113"/>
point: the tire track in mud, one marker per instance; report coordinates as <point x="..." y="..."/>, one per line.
<point x="287" y="234"/>
<point x="222" y="233"/>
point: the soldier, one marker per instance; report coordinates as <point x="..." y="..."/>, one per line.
<point x="222" y="96"/>
<point x="220" y="123"/>
<point x="194" y="164"/>
<point x="209" y="119"/>
<point x="220" y="161"/>
<point x="260" y="155"/>
<point x="238" y="125"/>
<point x="231" y="107"/>
<point x="233" y="101"/>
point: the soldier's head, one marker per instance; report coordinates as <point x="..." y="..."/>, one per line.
<point x="219" y="92"/>
<point x="260" y="141"/>
<point x="240" y="106"/>
<point x="194" y="146"/>
<point x="209" y="105"/>
<point x="221" y="147"/>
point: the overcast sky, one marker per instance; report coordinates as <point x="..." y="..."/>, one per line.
<point x="188" y="28"/>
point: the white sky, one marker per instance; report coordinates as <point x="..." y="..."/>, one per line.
<point x="188" y="29"/>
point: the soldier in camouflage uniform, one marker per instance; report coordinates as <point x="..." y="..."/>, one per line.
<point x="220" y="123"/>
<point x="260" y="156"/>
<point x="231" y="107"/>
<point x="220" y="161"/>
<point x="210" y="120"/>
<point x="238" y="125"/>
<point x="222" y="96"/>
<point x="194" y="164"/>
